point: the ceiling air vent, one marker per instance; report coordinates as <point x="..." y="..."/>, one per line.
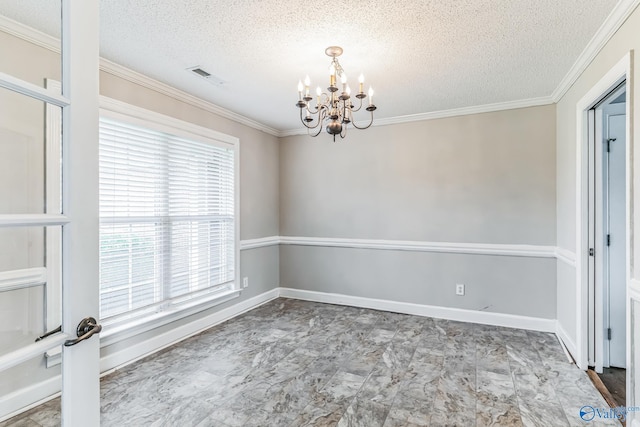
<point x="214" y="80"/>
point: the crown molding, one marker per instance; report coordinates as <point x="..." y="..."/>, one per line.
<point x="29" y="34"/>
<point x="611" y="24"/>
<point x="163" y="88"/>
<point x="41" y="39"/>
<point x="454" y="112"/>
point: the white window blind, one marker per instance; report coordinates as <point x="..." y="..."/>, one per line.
<point x="166" y="219"/>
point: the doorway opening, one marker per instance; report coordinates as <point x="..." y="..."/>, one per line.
<point x="607" y="335"/>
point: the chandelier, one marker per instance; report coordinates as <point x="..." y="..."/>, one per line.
<point x="333" y="108"/>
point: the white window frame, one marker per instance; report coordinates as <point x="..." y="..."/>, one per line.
<point x="115" y="330"/>
<point x="121" y="328"/>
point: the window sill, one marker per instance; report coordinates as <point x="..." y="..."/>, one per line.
<point x="122" y="330"/>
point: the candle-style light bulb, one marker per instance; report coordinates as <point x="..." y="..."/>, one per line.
<point x="307" y="82"/>
<point x="332" y="75"/>
<point x="370" y="95"/>
<point x="300" y="89"/>
<point x="361" y="81"/>
<point x="348" y="90"/>
<point x="318" y="92"/>
<point x="343" y="79"/>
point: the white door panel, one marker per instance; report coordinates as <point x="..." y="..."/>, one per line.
<point x="616" y="193"/>
<point x="48" y="228"/>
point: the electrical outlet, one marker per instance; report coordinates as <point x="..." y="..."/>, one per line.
<point x="245" y="282"/>
<point x="459" y="289"/>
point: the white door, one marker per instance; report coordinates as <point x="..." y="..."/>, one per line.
<point x="48" y="203"/>
<point x="615" y="286"/>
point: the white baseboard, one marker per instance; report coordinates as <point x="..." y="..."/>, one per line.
<point x="26" y="398"/>
<point x="458" y="314"/>
<point x="23" y="399"/>
<point x="566" y="340"/>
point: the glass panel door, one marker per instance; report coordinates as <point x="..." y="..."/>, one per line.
<point x="48" y="227"/>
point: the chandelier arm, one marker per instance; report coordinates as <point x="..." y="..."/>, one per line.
<point x="308" y="126"/>
<point x="321" y="117"/>
<point x="343" y="133"/>
<point x="359" y="107"/>
<point x="316" y="133"/>
<point x="365" y="127"/>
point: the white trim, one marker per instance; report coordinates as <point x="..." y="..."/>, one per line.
<point x="634" y="289"/>
<point x="566" y="340"/>
<point x="36" y="349"/>
<point x="448" y="313"/>
<point x="617" y="73"/>
<point x="441" y="114"/>
<point x="566" y="256"/>
<point x="119" y="110"/>
<point x="53" y="44"/>
<point x="23" y="399"/>
<point x="157" y="86"/>
<point x="25" y="278"/>
<point x="29" y="34"/>
<point x="53" y="242"/>
<point x="32" y="220"/>
<point x="535" y="251"/>
<point x="124" y="328"/>
<point x="17" y="85"/>
<point x="260" y="242"/>
<point x="612" y="23"/>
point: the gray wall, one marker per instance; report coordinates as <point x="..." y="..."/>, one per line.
<point x="484" y="178"/>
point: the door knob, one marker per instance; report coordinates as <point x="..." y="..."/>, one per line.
<point x="85" y="330"/>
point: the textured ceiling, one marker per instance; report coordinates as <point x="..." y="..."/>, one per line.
<point x="419" y="56"/>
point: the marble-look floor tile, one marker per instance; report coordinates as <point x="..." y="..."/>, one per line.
<point x="535" y="413"/>
<point x="340" y="389"/>
<point x="298" y="363"/>
<point x="382" y="385"/>
<point x="328" y="415"/>
<point x="498" y="414"/>
<point x="364" y="413"/>
<point x="408" y="411"/>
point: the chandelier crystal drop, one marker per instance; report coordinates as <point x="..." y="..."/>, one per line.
<point x="336" y="108"/>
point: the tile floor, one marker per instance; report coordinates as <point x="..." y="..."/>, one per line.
<point x="297" y="363"/>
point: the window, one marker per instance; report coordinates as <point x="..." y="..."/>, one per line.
<point x="167" y="217"/>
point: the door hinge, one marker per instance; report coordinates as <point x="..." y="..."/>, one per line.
<point x="591" y="252"/>
<point x="608" y="239"/>
<point x="609" y="334"/>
